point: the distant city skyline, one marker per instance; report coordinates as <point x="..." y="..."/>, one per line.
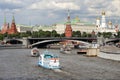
<point x="48" y="12"/>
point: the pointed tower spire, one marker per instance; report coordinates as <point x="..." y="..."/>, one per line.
<point x="5" y="18"/>
<point x="13" y="19"/>
<point x="68" y="12"/>
<point x="4" y="27"/>
<point x="68" y="17"/>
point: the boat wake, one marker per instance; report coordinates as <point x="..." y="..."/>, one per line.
<point x="61" y="71"/>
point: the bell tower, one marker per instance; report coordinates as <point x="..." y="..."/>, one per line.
<point x="103" y="21"/>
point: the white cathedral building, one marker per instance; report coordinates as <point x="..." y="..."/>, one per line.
<point x="104" y="27"/>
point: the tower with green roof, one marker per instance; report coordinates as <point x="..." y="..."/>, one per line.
<point x="68" y="29"/>
<point x="13" y="28"/>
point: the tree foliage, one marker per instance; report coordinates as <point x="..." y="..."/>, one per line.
<point x="53" y="33"/>
<point x="107" y="34"/>
<point x="1" y="37"/>
<point x="84" y="34"/>
<point x="76" y="34"/>
<point x="118" y="34"/>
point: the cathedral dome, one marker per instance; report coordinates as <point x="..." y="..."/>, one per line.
<point x="103" y="12"/>
<point x="110" y="23"/>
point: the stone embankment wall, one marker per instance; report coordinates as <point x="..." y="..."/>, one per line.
<point x="110" y="52"/>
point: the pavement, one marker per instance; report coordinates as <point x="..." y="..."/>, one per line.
<point x="110" y="52"/>
<point x="17" y="64"/>
<point x="110" y="49"/>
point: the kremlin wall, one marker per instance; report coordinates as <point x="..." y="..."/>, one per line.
<point x="65" y="27"/>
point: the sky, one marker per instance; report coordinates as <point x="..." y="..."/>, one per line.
<point x="48" y="12"/>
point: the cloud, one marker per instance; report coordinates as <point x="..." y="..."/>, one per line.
<point x="54" y="5"/>
<point x="9" y="5"/>
<point x="111" y="7"/>
<point x="115" y="7"/>
<point x="13" y="1"/>
<point x="67" y="5"/>
<point x="52" y="11"/>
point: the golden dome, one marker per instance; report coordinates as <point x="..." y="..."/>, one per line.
<point x="110" y="23"/>
<point x="77" y="18"/>
<point x="103" y="12"/>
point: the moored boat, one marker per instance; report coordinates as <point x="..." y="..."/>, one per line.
<point x="65" y="49"/>
<point x="35" y="52"/>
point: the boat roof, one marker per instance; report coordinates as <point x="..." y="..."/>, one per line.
<point x="46" y="52"/>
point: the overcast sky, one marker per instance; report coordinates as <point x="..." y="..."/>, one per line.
<point x="31" y="12"/>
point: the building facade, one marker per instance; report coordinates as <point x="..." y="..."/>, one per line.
<point x="24" y="28"/>
<point x="76" y="25"/>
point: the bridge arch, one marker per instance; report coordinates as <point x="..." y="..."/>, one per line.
<point x="43" y="44"/>
<point x="114" y="41"/>
<point x="14" y="41"/>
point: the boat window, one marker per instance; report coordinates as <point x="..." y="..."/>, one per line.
<point x="55" y="56"/>
<point x="47" y="56"/>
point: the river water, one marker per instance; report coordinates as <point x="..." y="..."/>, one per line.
<point x="17" y="64"/>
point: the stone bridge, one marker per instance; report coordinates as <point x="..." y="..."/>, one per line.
<point x="107" y="40"/>
<point x="44" y="41"/>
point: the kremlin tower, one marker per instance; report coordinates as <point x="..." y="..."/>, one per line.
<point x="68" y="29"/>
<point x="103" y="21"/>
<point x="13" y="28"/>
<point x="7" y="29"/>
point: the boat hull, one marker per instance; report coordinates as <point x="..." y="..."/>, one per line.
<point x="35" y="52"/>
<point x="49" y="60"/>
<point x="48" y="66"/>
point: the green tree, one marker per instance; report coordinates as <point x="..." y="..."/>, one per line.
<point x="24" y="35"/>
<point x="41" y="33"/>
<point x="73" y="34"/>
<point x="29" y="33"/>
<point x="62" y="35"/>
<point x="118" y="34"/>
<point x="1" y="37"/>
<point x="76" y="34"/>
<point x="89" y="35"/>
<point x="54" y="33"/>
<point x="47" y="34"/>
<point x="5" y="35"/>
<point x="99" y="34"/>
<point x="107" y="34"/>
<point x="84" y="34"/>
